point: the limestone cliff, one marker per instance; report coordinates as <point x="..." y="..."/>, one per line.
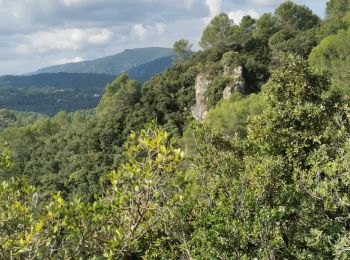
<point x="200" y="108"/>
<point x="237" y="82"/>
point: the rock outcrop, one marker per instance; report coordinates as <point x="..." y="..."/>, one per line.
<point x="237" y="82"/>
<point x="200" y="108"/>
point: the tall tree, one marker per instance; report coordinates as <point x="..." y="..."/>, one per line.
<point x="333" y="54"/>
<point x="298" y="17"/>
<point x="337" y="8"/>
<point x="217" y="33"/>
<point x="182" y="49"/>
<point x="265" y="27"/>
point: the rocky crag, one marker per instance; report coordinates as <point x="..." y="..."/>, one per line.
<point x="236" y="83"/>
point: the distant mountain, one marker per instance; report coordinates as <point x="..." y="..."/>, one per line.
<point x="64" y="80"/>
<point x="112" y="65"/>
<point x="148" y="70"/>
<point x="60" y="80"/>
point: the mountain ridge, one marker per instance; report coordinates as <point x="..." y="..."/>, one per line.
<point x="113" y="64"/>
<point x="67" y="80"/>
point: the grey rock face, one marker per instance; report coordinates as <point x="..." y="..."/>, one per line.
<point x="237" y="82"/>
<point x="227" y="92"/>
<point x="200" y="108"/>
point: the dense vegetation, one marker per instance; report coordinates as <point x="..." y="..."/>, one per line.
<point x="60" y="80"/>
<point x="265" y="176"/>
<point x="146" y="71"/>
<point x="48" y="100"/>
<point x="10" y="118"/>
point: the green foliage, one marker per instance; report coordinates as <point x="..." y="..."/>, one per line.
<point x="49" y="101"/>
<point x="294" y="97"/>
<point x="120" y="95"/>
<point x="217" y="33"/>
<point x="265" y="27"/>
<point x="231" y="116"/>
<point x="292" y="28"/>
<point x="333" y="54"/>
<point x="296" y="29"/>
<point x="231" y="58"/>
<point x="200" y="226"/>
<point x="150" y="69"/>
<point x="5" y="160"/>
<point x="70" y="152"/>
<point x="138" y="194"/>
<point x="337" y="17"/>
<point x="299" y="124"/>
<point x="294" y="41"/>
<point x="292" y="16"/>
<point x="169" y="97"/>
<point x="215" y="89"/>
<point x="16" y="217"/>
<point x="10" y="118"/>
<point x="337" y="8"/>
<point x="182" y="49"/>
<point x="283" y="193"/>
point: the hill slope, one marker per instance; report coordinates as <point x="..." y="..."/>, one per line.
<point x="57" y="80"/>
<point x="112" y="65"/>
<point x="148" y="70"/>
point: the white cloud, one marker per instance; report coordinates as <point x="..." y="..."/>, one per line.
<point x="62" y="39"/>
<point x="214" y="7"/>
<point x="16" y="14"/>
<point x="141" y="32"/>
<point x="159" y="28"/>
<point x="100" y="38"/>
<point x="72" y="2"/>
<point x="67" y="60"/>
<point x="265" y="3"/>
<point x="237" y="16"/>
<point x="42" y="41"/>
<point x="188" y="3"/>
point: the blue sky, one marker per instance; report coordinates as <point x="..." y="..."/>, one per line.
<point x="40" y="33"/>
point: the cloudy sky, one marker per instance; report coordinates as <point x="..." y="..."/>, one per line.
<point x="40" y="33"/>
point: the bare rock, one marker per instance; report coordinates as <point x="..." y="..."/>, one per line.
<point x="227" y="92"/>
<point x="200" y="108"/>
<point x="237" y="82"/>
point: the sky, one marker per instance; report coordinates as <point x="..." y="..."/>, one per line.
<point x="41" y="33"/>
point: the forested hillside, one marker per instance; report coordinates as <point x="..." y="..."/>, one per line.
<point x="263" y="173"/>
<point x="60" y="80"/>
<point x="10" y="118"/>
